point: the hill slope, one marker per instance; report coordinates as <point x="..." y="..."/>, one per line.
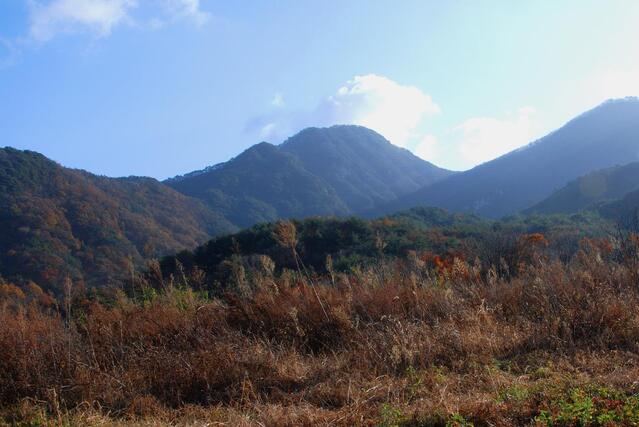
<point x="361" y="165"/>
<point x="320" y="171"/>
<point x="603" y="137"/>
<point x="624" y="211"/>
<point x="588" y="190"/>
<point x="261" y="184"/>
<point x="57" y="222"/>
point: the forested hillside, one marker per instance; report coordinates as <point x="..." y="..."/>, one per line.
<point x="261" y="184"/>
<point x="624" y="211"/>
<point x="590" y="189"/>
<point x="347" y="244"/>
<point x="58" y="223"/>
<point x="338" y="170"/>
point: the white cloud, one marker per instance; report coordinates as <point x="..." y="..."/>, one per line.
<point x="381" y="104"/>
<point x="400" y="113"/>
<point x="427" y="148"/>
<point x="394" y="110"/>
<point x="267" y="130"/>
<point x="485" y="138"/>
<point x="100" y="17"/>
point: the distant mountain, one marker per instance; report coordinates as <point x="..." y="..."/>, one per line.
<point x="591" y="189"/>
<point x="57" y="222"/>
<point x="320" y="171"/>
<point x="361" y="165"/>
<point x="603" y="137"/>
<point x="262" y="184"/>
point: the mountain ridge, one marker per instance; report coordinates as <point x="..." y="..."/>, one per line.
<point x="588" y="190"/>
<point x="260" y="184"/>
<point x="602" y="137"/>
<point x="356" y="162"/>
<point x="349" y="168"/>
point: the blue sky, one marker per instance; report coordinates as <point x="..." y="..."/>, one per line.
<point x="163" y="87"/>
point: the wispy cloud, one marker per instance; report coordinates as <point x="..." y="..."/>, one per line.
<point x="189" y="9"/>
<point x="480" y="139"/>
<point x="377" y="102"/>
<point x="100" y="17"/>
<point x="427" y="148"/>
<point x="66" y="16"/>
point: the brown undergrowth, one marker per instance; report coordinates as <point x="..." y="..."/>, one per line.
<point x="404" y="343"/>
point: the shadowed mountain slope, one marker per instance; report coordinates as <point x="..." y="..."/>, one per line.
<point x="603" y="137"/>
<point x="261" y="184"/>
<point x="588" y="190"/>
<point x="361" y="165"/>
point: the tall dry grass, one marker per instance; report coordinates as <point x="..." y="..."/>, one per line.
<point x="407" y="342"/>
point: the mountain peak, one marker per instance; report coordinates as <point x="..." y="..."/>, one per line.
<point x="360" y="164"/>
<point x="610" y="106"/>
<point x="626" y="99"/>
<point x="335" y="170"/>
<point x="259" y="148"/>
<point x="343" y="134"/>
